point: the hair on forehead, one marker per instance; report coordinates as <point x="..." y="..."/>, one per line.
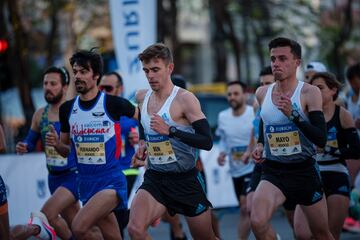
<point x="156" y="51"/>
<point x="295" y="47"/>
<point x="241" y="84"/>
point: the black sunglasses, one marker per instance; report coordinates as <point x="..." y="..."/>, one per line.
<point x="106" y="88"/>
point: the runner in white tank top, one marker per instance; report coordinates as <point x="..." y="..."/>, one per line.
<point x="289" y="175"/>
<point x="174" y="127"/>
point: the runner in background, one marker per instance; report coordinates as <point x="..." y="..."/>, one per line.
<point x="112" y="84"/>
<point x="63" y="204"/>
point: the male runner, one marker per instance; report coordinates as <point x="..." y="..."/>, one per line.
<point x="174" y="128"/>
<point x="235" y="129"/>
<point x="292" y="123"/>
<point x="63" y="204"/>
<point x="111" y="83"/>
<point x="90" y="128"/>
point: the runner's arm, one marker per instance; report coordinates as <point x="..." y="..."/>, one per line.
<point x="202" y="137"/>
<point x="348" y="139"/>
<point x="315" y="128"/>
<point x="62" y="145"/>
<point x="29" y="143"/>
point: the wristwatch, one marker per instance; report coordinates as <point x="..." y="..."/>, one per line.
<point x="172" y="131"/>
<point x="294" y="116"/>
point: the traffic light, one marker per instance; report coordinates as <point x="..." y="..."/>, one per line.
<point x="4" y="45"/>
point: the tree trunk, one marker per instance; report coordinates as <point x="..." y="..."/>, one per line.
<point x="19" y="61"/>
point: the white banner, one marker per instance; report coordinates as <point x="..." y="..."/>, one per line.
<point x="220" y="187"/>
<point x="25" y="177"/>
<point x="133" y="25"/>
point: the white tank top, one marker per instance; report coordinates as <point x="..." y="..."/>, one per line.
<point x="284" y="142"/>
<point x="94" y="137"/>
<point x="166" y="154"/>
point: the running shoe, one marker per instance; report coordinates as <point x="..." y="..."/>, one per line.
<point x="46" y="231"/>
<point x="351" y="225"/>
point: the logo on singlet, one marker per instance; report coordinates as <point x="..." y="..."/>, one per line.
<point x="98" y="114"/>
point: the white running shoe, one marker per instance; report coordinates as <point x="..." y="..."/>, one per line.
<point x="46" y="231"/>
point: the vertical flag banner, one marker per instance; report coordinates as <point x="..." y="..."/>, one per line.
<point x="133" y="24"/>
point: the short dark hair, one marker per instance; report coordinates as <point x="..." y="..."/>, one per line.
<point x="265" y="71"/>
<point x="286" y="42"/>
<point x="330" y="81"/>
<point x="64" y="74"/>
<point x="157" y="50"/>
<point x="353" y="71"/>
<point x="178" y="80"/>
<point x="89" y="58"/>
<point x="243" y="85"/>
<point x="117" y="75"/>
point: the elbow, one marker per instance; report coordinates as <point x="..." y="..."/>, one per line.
<point x="208" y="146"/>
<point x="322" y="142"/>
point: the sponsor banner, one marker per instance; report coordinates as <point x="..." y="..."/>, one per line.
<point x="133" y="24"/>
<point x="25" y="177"/>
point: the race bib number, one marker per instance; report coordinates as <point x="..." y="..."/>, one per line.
<point x="332" y="140"/>
<point x="159" y="149"/>
<point x="90" y="149"/>
<point x="237" y="152"/>
<point x="284" y="140"/>
<point x="53" y="158"/>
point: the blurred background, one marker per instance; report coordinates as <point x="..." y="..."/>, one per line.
<point x="213" y="42"/>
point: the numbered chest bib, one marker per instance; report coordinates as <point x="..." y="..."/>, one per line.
<point x="331" y="147"/>
<point x="159" y="149"/>
<point x="284" y="140"/>
<point x="237" y="152"/>
<point x="90" y="149"/>
<point x="54" y="159"/>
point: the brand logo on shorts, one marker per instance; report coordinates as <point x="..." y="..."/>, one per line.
<point x="343" y="189"/>
<point x="316" y="196"/>
<point x="200" y="208"/>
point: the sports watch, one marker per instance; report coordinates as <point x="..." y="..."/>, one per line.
<point x="172" y="131"/>
<point x="294" y="116"/>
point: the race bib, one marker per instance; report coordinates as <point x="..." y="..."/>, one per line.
<point x="53" y="158"/>
<point x="237" y="152"/>
<point x="90" y="149"/>
<point x="283" y="140"/>
<point x="159" y="149"/>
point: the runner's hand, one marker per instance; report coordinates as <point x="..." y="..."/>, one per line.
<point x="51" y="138"/>
<point x="21" y="148"/>
<point x="138" y="159"/>
<point x="257" y="153"/>
<point x="133" y="137"/>
<point x="221" y="158"/>
<point x="158" y="124"/>
<point x="284" y="104"/>
<point x="245" y="157"/>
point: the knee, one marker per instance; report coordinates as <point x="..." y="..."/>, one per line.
<point x="78" y="229"/>
<point x="258" y="222"/>
<point x="50" y="215"/>
<point x="136" y="230"/>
